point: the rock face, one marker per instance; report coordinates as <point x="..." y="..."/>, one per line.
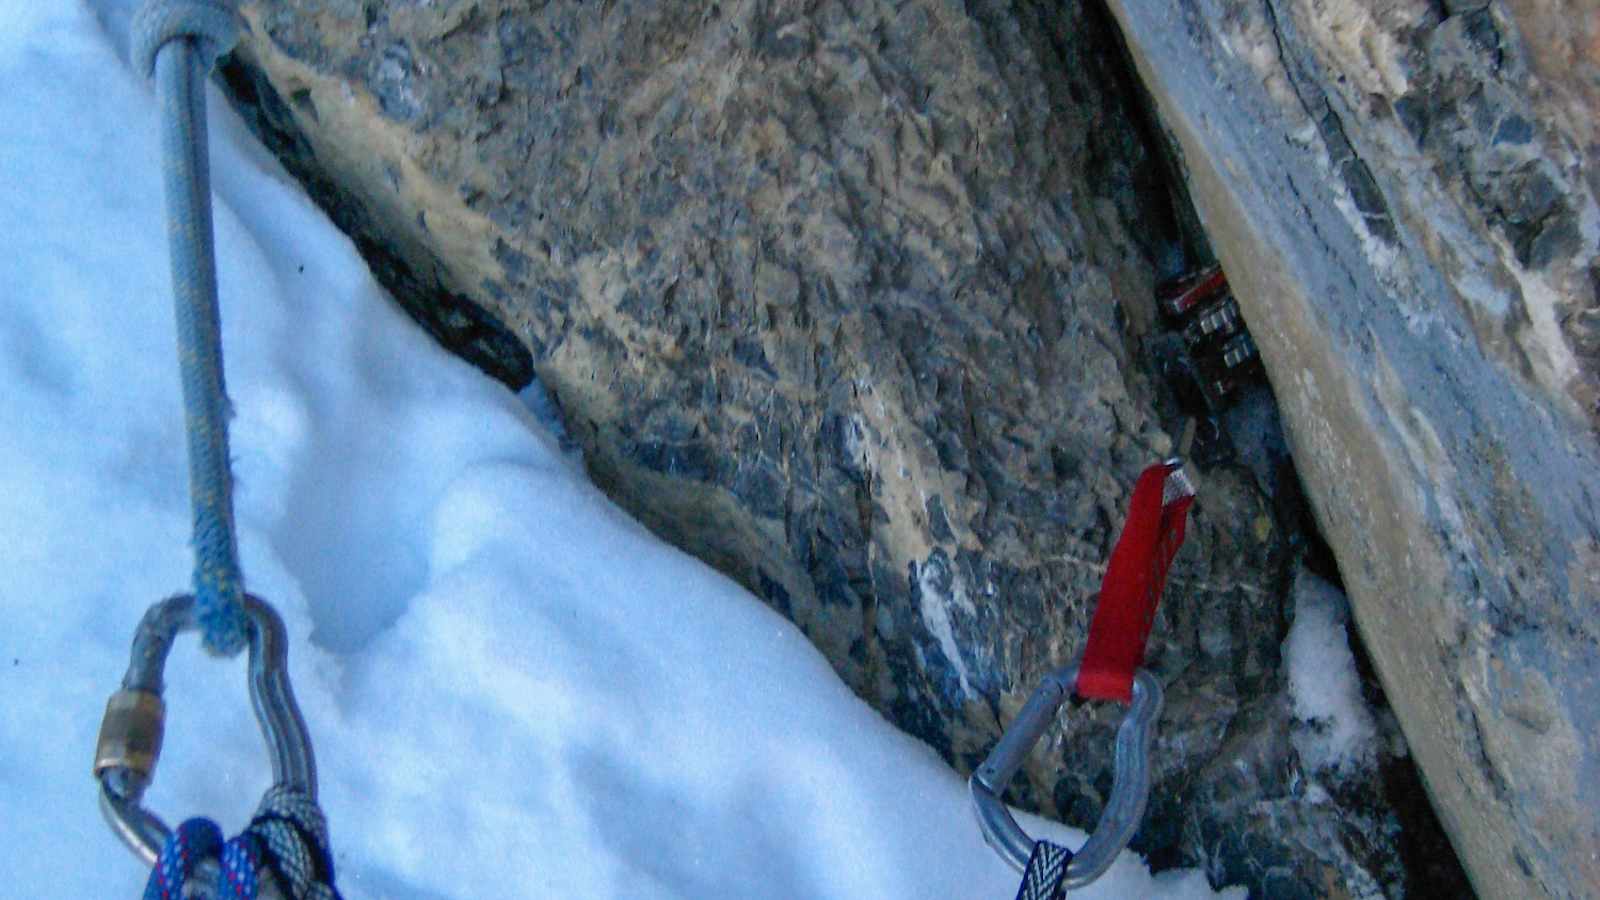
<point x="1404" y="194"/>
<point x="852" y="300"/>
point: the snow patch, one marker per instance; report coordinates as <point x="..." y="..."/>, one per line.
<point x="1335" y="730"/>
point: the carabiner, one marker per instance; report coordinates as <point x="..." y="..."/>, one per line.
<point x="130" y="734"/>
<point x="1130" y="786"/>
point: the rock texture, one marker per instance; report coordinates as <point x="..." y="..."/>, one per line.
<point x="852" y="300"/>
<point x="1404" y="194"/>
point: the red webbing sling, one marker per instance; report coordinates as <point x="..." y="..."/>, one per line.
<point x="1133" y="582"/>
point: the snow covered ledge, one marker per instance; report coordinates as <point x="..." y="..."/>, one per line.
<point x="1422" y="311"/>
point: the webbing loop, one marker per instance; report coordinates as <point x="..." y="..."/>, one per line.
<point x="1134" y="579"/>
<point x="1045" y="873"/>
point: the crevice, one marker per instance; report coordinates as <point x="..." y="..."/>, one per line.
<point x="1351" y="169"/>
<point x="458" y="323"/>
<point x="1429" y="863"/>
<point x="1178" y="241"/>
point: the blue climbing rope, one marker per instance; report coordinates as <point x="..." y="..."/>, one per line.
<point x="287" y="840"/>
<point x="286" y="844"/>
<point x="179" y="40"/>
<point x="195" y="841"/>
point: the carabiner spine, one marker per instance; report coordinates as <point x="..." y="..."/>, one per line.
<point x="272" y="699"/>
<point x="1130" y="791"/>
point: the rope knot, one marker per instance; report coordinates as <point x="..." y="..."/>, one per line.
<point x="211" y="24"/>
<point x="289" y="837"/>
<point x="286" y="845"/>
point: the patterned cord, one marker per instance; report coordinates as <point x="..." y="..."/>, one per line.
<point x="287" y="839"/>
<point x="1046" y="873"/>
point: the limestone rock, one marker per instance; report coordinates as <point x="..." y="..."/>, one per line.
<point x="1404" y="194"/>
<point x="851" y="300"/>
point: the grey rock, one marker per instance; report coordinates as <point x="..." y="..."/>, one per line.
<point x="1427" y="328"/>
<point x="853" y="301"/>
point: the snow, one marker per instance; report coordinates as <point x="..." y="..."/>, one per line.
<point x="513" y="688"/>
<point x="1335" y="730"/>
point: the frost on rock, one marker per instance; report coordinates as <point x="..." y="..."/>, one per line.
<point x="1334" y="728"/>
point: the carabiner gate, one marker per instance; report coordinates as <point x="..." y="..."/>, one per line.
<point x="1130" y="787"/>
<point x="130" y="734"/>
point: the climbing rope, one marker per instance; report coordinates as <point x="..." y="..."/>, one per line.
<point x="284" y="851"/>
<point x="1109" y="670"/>
<point x="178" y="41"/>
<point x="286" y="841"/>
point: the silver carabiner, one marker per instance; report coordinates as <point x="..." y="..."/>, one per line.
<point x="1130" y="786"/>
<point x="130" y="734"/>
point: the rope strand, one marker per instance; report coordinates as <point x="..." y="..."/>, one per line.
<point x="180" y="39"/>
<point x="286" y="844"/>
